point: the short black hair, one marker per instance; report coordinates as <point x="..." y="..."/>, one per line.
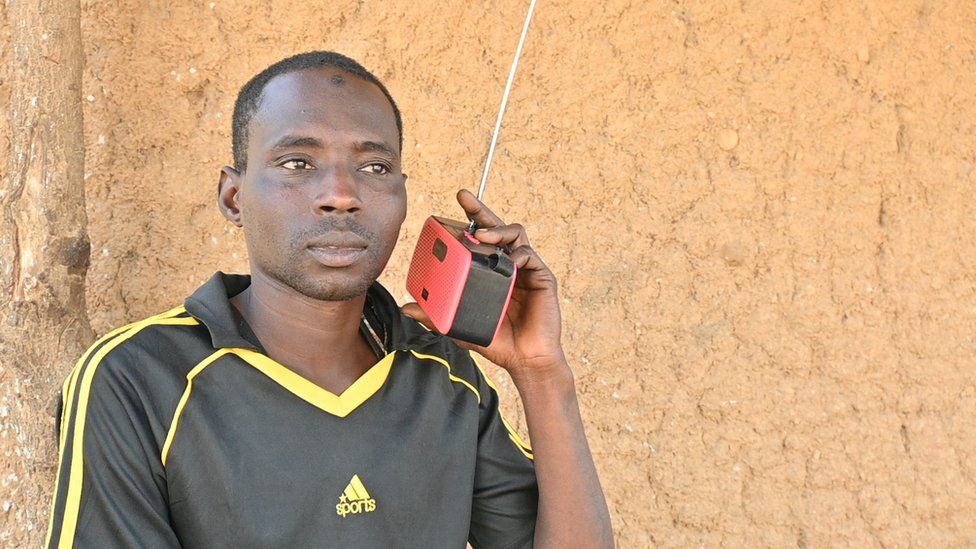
<point x="249" y="98"/>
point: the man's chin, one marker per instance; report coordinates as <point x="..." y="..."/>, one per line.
<point x="334" y="287"/>
<point x="321" y="283"/>
<point x="335" y="294"/>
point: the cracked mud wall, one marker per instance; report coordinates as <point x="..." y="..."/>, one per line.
<point x="761" y="214"/>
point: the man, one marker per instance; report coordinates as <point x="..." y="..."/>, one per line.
<point x="299" y="407"/>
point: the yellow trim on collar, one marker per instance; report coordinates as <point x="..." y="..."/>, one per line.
<point x="337" y="405"/>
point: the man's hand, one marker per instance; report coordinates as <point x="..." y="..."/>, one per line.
<point x="528" y="341"/>
<point x="572" y="509"/>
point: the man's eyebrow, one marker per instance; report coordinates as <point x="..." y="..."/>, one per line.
<point x="375" y="146"/>
<point x="294" y="141"/>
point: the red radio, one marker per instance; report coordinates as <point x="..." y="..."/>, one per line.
<point x="464" y="286"/>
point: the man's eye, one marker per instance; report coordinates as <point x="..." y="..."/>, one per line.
<point x="296" y="164"/>
<point x="376" y="169"/>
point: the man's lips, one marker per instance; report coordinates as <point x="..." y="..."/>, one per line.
<point x="337" y="250"/>
<point x="338" y="240"/>
<point x="337" y="257"/>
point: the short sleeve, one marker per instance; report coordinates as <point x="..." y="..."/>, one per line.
<point x="110" y="489"/>
<point x="506" y="494"/>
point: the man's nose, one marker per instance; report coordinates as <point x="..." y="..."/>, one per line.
<point x="337" y="192"/>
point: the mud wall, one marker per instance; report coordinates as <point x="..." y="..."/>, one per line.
<point x="761" y="215"/>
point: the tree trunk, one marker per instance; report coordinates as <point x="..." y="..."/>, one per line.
<point x="44" y="252"/>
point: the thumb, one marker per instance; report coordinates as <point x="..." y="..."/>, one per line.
<point x="414" y="311"/>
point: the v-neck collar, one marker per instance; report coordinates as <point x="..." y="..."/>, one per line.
<point x="338" y="405"/>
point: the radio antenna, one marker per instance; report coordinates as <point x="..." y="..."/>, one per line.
<point x="501" y="110"/>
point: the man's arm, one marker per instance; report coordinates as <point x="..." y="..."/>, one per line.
<point x="110" y="489"/>
<point x="572" y="508"/>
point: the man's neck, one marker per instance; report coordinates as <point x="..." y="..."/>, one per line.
<point x="319" y="340"/>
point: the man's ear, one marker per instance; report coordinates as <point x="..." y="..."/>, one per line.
<point x="229" y="195"/>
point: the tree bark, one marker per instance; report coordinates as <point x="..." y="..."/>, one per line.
<point x="44" y="253"/>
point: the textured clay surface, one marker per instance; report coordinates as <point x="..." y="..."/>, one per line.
<point x="761" y="214"/>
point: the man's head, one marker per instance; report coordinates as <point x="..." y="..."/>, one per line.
<point x="317" y="184"/>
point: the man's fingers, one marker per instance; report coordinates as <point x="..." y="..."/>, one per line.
<point x="477" y="211"/>
<point x="507" y="235"/>
<point x="526" y="258"/>
<point x="533" y="273"/>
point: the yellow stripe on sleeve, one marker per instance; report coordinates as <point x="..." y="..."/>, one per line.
<point x="72" y="379"/>
<point x="68" y="389"/>
<point x="67" y="401"/>
<point x="512" y="434"/>
<point x="73" y="501"/>
<point x="526" y="453"/>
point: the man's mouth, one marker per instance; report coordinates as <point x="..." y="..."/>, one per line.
<point x="337" y="249"/>
<point x="336" y="256"/>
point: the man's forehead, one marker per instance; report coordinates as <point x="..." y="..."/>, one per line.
<point x="319" y="80"/>
<point x="322" y="95"/>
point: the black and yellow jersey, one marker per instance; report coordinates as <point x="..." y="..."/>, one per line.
<point x="179" y="430"/>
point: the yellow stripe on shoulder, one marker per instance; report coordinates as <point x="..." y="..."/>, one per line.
<point x="78" y="386"/>
<point x="512" y="433"/>
<point x="68" y="389"/>
<point x="450" y="374"/>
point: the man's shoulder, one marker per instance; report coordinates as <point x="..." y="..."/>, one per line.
<point x="441" y="352"/>
<point x="138" y="370"/>
<point x="152" y="352"/>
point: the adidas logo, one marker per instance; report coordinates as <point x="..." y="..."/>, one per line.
<point x="355" y="499"/>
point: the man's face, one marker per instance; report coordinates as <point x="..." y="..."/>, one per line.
<point x="323" y="197"/>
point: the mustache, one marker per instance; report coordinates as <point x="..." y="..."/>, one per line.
<point x="330" y="225"/>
